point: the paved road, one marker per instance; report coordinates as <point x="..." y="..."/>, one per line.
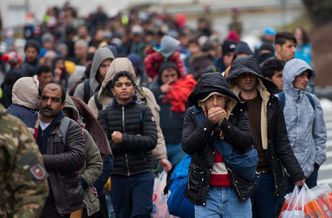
<point x="325" y="171"/>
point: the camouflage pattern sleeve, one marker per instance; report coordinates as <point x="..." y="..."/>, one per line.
<point x="23" y="184"/>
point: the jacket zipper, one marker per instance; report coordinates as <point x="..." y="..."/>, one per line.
<point x="124" y="130"/>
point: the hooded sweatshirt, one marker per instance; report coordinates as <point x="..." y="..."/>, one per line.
<point x="25" y="100"/>
<point x="305" y="124"/>
<point x="101" y="55"/>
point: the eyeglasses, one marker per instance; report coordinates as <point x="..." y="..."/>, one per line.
<point x="53" y="99"/>
<point x="126" y="84"/>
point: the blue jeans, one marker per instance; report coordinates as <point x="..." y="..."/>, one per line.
<point x="221" y="202"/>
<point x="264" y="202"/>
<point x="132" y="195"/>
<point x="174" y="153"/>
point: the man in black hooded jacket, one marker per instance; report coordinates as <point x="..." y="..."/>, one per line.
<point x="269" y="132"/>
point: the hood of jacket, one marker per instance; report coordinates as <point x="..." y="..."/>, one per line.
<point x="211" y="82"/>
<point x="25" y="92"/>
<point x="292" y="69"/>
<point x="117" y="65"/>
<point x="248" y="64"/>
<point x="71" y="108"/>
<point x="101" y="55"/>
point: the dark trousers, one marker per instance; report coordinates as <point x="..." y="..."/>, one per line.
<point x="264" y="202"/>
<point x="49" y="211"/>
<point x="132" y="195"/>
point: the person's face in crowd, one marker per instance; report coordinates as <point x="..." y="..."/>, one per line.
<point x="298" y="35"/>
<point x="83" y="32"/>
<point x="31" y="54"/>
<point x="50" y="101"/>
<point x="277" y="80"/>
<point x="247" y="82"/>
<point x="215" y="101"/>
<point x="301" y="81"/>
<point x="80" y="51"/>
<point x="100" y="35"/>
<point x="123" y="90"/>
<point x="60" y="64"/>
<point x="44" y="78"/>
<point x="286" y="51"/>
<point x="194" y="48"/>
<point x="228" y="59"/>
<point x="169" y="75"/>
<point x="103" y="68"/>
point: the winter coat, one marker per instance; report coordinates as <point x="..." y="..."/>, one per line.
<point x="63" y="162"/>
<point x="274" y="139"/>
<point x="152" y="63"/>
<point x="139" y="136"/>
<point x="196" y="137"/>
<point x="305" y="124"/>
<point x="144" y="96"/>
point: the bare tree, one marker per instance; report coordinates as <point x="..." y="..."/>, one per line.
<point x="320" y="11"/>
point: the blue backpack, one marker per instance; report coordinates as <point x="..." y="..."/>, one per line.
<point x="177" y="203"/>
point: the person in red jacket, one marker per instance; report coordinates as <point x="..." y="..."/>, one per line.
<point x="165" y="52"/>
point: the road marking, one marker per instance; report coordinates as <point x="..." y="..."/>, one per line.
<point x="326" y="167"/>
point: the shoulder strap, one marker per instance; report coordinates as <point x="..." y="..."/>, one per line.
<point x="97" y="102"/>
<point x="86" y="89"/>
<point x="64" y="125"/>
<point x="311" y="100"/>
<point x="282" y="99"/>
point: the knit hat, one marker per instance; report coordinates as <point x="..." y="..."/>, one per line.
<point x="168" y="46"/>
<point x="25" y="92"/>
<point x="228" y="46"/>
<point x="165" y="65"/>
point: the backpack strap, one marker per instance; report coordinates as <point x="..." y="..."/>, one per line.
<point x="86" y="91"/>
<point x="64" y="125"/>
<point x="282" y="99"/>
<point x="311" y="100"/>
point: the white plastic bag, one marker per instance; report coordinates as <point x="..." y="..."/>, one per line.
<point x="160" y="209"/>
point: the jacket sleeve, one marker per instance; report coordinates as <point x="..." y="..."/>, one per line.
<point x="238" y="135"/>
<point x="319" y="133"/>
<point x="79" y="91"/>
<point x="283" y="148"/>
<point x="195" y="135"/>
<point x="148" y="65"/>
<point x="28" y="190"/>
<point x="74" y="156"/>
<point x="159" y="152"/>
<point x="94" y="163"/>
<point x="147" y="141"/>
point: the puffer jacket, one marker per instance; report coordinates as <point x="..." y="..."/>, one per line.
<point x="305" y="124"/>
<point x="196" y="137"/>
<point x="275" y="140"/>
<point x="139" y="136"/>
<point x="63" y="162"/>
<point x="144" y="96"/>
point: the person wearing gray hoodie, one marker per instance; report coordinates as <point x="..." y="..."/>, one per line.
<point x="304" y="119"/>
<point x="100" y="63"/>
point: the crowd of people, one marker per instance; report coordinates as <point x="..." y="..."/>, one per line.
<point x="110" y="102"/>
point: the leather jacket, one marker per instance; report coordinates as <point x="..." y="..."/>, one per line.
<point x="63" y="162"/>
